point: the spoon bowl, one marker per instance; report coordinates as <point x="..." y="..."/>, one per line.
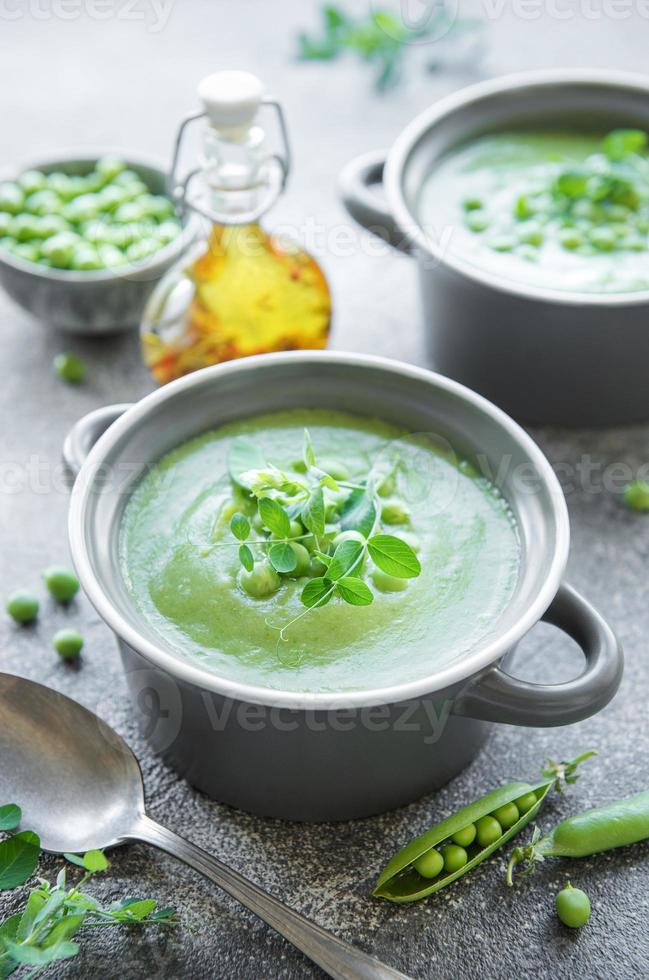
<point x="80" y="788"/>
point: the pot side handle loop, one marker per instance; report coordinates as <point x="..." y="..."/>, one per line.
<point x="84" y="434"/>
<point x="497" y="696"/>
<point x="355" y="184"/>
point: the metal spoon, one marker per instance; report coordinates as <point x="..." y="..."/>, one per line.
<point x="80" y="787"/>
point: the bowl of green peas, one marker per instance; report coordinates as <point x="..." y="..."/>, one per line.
<point x="85" y="238"/>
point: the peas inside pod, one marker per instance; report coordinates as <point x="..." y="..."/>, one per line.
<point x="84" y="222"/>
<point x="459" y="843"/>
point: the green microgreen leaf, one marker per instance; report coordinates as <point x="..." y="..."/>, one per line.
<point x="41" y="956"/>
<point x="312" y="514"/>
<point x="308" y="455"/>
<point x="135" y="910"/>
<point x="18" y="859"/>
<point x="274" y="517"/>
<point x="359" y="513"/>
<point x="344" y="558"/>
<point x="10" y="815"/>
<point x="325" y="479"/>
<point x="621" y="142"/>
<point x="95" y="861"/>
<point x="282" y="557"/>
<point x="240" y="526"/>
<point x="393" y="556"/>
<point x="244" y="455"/>
<point x="246" y="557"/>
<point x="317" y="592"/>
<point x="354" y="591"/>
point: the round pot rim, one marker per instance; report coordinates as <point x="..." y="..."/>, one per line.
<point x="191" y="672"/>
<point x="154" y="264"/>
<point x="409" y="225"/>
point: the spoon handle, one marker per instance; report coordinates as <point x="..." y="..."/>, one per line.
<point x="336" y="957"/>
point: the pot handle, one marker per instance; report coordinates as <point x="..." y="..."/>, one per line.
<point x="497" y="696"/>
<point x="85" y="433"/>
<point x="354" y="183"/>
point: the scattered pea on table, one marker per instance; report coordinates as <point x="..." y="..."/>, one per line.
<point x="22" y="606"/>
<point x="68" y="644"/>
<point x="70" y="368"/>
<point x="61" y="582"/>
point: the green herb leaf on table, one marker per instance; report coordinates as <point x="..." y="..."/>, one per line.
<point x="18" y="859"/>
<point x="274" y="517"/>
<point x="393" y="556"/>
<point x="354" y="591"/>
<point x="10" y="816"/>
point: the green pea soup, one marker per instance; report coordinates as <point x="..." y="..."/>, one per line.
<point x="179" y="560"/>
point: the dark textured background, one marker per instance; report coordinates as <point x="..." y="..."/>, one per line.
<point x="117" y="83"/>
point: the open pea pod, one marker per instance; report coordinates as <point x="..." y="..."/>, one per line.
<point x="401" y="882"/>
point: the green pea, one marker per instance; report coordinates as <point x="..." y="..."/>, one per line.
<point x="507" y="815"/>
<point x="85" y="258"/>
<point x="44" y="202"/>
<point x="430" y="864"/>
<point x="395" y="512"/>
<point x="388" y="583"/>
<point x="488" y="831"/>
<point x="570" y="238"/>
<point x="455" y="857"/>
<point x="387" y="486"/>
<point x="111" y="197"/>
<point x="83" y="208"/>
<point x="531" y="233"/>
<point x="129" y="212"/>
<point x="603" y="239"/>
<point x="502" y="243"/>
<point x="135" y="190"/>
<point x="526" y="802"/>
<point x="156" y="206"/>
<point x="472" y="203"/>
<point x="316" y="568"/>
<point x="573" y="907"/>
<point x="465" y="836"/>
<point x="61" y="185"/>
<point x="68" y="644"/>
<point x="51" y="224"/>
<point x="334" y="467"/>
<point x="28" y="251"/>
<point x="32" y="181"/>
<point x="167" y="231"/>
<point x="348" y="536"/>
<point x="636" y="495"/>
<point x="109" y="168"/>
<point x="7" y="243"/>
<point x="11" y="198"/>
<point x="58" y="249"/>
<point x="110" y="256"/>
<point x="303" y="559"/>
<point x="6" y="223"/>
<point x="476" y="221"/>
<point x="138" y="251"/>
<point x="633" y="243"/>
<point x="70" y="368"/>
<point x="126" y="177"/>
<point x="261" y="582"/>
<point x="22" y="606"/>
<point x="62" y="583"/>
<point x="24" y="227"/>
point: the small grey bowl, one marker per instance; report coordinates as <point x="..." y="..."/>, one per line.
<point x="102" y="301"/>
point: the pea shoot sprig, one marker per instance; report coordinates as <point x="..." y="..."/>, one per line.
<point x="42" y="932"/>
<point x="315" y="522"/>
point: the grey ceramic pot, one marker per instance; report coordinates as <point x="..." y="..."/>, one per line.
<point x="93" y="302"/>
<point x="330" y="756"/>
<point x="544" y="355"/>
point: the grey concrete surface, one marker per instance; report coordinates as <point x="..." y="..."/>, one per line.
<point x="119" y="83"/>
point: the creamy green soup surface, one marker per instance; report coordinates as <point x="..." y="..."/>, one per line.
<point x="556" y="209"/>
<point x="180" y="562"/>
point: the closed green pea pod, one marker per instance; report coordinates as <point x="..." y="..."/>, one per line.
<point x="601" y="829"/>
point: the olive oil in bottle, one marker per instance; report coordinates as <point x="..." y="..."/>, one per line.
<point x="241" y="290"/>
